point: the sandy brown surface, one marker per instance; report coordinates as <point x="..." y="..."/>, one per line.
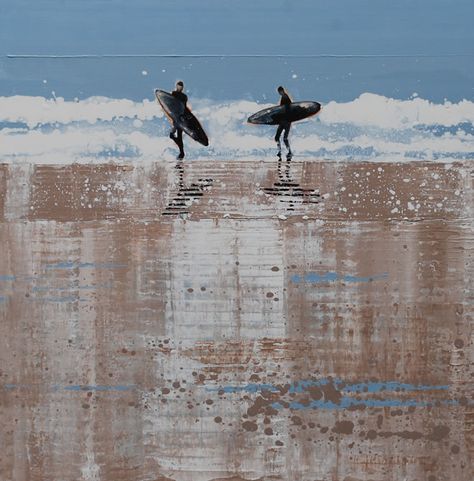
<point x="304" y="321"/>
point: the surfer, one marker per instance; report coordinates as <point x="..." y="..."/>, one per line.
<point x="284" y="125"/>
<point x="176" y="133"/>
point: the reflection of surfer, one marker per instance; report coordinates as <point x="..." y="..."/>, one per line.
<point x="287" y="190"/>
<point x="186" y="195"/>
<point x="284" y="125"/>
<point x="178" y="138"/>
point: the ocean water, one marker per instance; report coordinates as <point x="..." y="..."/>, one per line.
<point x="396" y="80"/>
<point x="102" y="129"/>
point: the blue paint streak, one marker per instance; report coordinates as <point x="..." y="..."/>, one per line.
<point x="99" y="387"/>
<point x="368" y="387"/>
<point x="84" y="265"/>
<point x="7" y="278"/>
<point x="315" y="278"/>
<point x="3" y="299"/>
<point x="348" y="401"/>
<point x="392" y="386"/>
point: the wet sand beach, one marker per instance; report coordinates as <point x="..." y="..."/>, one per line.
<point x="236" y="320"/>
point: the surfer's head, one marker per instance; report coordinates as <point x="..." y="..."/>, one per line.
<point x="179" y="85"/>
<point x="281" y="90"/>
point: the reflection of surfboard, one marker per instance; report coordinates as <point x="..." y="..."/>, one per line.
<point x="180" y="115"/>
<point x="278" y="114"/>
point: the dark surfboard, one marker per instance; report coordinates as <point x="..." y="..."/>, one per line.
<point x="181" y="116"/>
<point x="276" y="115"/>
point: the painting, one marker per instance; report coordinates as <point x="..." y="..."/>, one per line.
<point x="236" y="240"/>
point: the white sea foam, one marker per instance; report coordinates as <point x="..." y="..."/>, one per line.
<point x="35" y="111"/>
<point x="377" y="110"/>
<point x="35" y="129"/>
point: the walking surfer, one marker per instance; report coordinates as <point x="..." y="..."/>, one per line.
<point x="176" y="133"/>
<point x="182" y="120"/>
<point x="284" y="125"/>
<point x="284" y="115"/>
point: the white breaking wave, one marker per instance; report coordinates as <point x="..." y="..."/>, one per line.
<point x="379" y="111"/>
<point x="36" y="129"/>
<point x="36" y="111"/>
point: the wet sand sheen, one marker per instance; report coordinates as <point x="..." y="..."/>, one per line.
<point x="236" y="320"/>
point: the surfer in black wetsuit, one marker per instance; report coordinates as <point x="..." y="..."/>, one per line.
<point x="284" y="125"/>
<point x="178" y="138"/>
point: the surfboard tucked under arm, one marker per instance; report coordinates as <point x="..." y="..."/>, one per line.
<point x="181" y="117"/>
<point x="276" y="115"/>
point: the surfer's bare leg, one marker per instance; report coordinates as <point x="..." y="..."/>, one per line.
<point x="172" y="132"/>
<point x="178" y="140"/>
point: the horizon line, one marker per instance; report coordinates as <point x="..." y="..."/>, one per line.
<point x="240" y="55"/>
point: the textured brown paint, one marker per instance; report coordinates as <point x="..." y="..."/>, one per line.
<point x="121" y="323"/>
